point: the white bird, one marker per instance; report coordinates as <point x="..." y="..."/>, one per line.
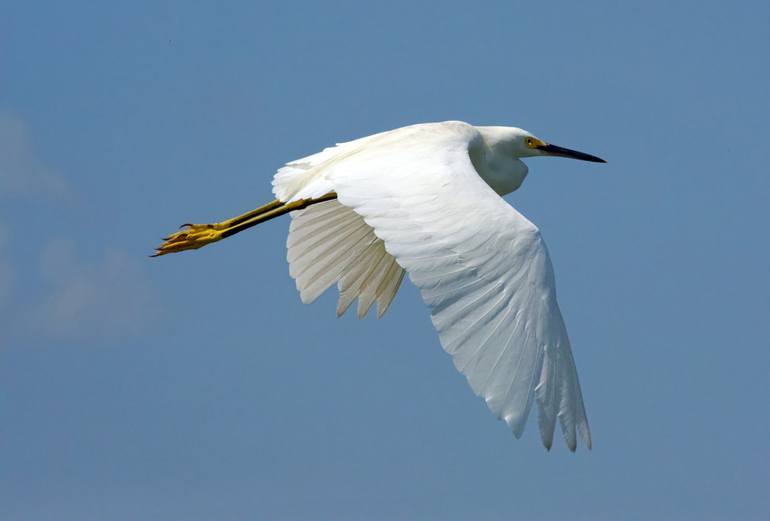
<point x="426" y="199"/>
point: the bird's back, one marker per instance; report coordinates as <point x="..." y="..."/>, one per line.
<point x="305" y="178"/>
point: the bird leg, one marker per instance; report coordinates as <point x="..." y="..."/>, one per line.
<point x="194" y="236"/>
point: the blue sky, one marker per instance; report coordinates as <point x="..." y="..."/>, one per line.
<point x="198" y="386"/>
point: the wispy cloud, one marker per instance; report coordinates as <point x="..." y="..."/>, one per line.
<point x="100" y="296"/>
<point x="108" y="297"/>
<point x="22" y="173"/>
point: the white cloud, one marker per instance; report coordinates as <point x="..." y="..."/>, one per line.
<point x="22" y="173"/>
<point x="104" y="298"/>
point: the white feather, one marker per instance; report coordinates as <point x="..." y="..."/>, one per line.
<point x="329" y="242"/>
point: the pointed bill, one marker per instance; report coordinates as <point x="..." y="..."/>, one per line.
<point x="554" y="150"/>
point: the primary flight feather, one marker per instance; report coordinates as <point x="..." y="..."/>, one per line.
<point x="426" y="199"/>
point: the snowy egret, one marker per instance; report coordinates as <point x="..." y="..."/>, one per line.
<point x="425" y="199"/>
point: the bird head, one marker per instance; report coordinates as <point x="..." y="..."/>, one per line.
<point x="525" y="144"/>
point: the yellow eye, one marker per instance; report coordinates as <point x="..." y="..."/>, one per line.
<point x="533" y="142"/>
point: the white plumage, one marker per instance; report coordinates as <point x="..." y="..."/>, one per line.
<point x="329" y="243"/>
<point x="426" y="199"/>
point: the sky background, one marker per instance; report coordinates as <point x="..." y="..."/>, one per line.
<point x="198" y="387"/>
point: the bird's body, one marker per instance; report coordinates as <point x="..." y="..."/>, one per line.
<point x="491" y="155"/>
<point x="425" y="200"/>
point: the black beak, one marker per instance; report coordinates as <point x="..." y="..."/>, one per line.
<point x="554" y="150"/>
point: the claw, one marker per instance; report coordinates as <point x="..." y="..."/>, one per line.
<point x="191" y="237"/>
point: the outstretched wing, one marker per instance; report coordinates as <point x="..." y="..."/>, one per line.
<point x="482" y="267"/>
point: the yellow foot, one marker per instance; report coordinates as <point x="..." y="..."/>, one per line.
<point x="190" y="237"/>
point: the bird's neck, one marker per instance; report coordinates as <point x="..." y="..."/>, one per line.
<point x="498" y="167"/>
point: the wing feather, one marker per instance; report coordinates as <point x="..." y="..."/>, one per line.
<point x="330" y="243"/>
